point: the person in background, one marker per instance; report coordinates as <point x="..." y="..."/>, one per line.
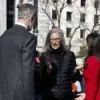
<point x="92" y="67"/>
<point x="17" y="57"/>
<point x="80" y="85"/>
<point x="79" y="82"/>
<point x="57" y="68"/>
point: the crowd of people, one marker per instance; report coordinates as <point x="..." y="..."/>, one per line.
<point x="52" y="75"/>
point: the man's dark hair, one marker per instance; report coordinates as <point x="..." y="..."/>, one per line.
<point x="26" y="10"/>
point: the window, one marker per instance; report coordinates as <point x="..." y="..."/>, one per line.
<point x="82" y="33"/>
<point x="68" y="32"/>
<point x="54" y="14"/>
<point x="83" y="2"/>
<point x="96" y="19"/>
<point x="82" y="17"/>
<point x="69" y="16"/>
<point x="96" y="4"/>
<point x="69" y="2"/>
<point x="54" y="1"/>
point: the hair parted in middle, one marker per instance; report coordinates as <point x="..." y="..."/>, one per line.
<point x="47" y="43"/>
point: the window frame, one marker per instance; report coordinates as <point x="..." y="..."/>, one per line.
<point x="83" y="3"/>
<point x="54" y="14"/>
<point x="68" y="31"/>
<point x="69" y="16"/>
<point x="82" y="17"/>
<point x="82" y="33"/>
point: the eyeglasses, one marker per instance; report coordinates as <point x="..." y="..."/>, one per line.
<point x="55" y="39"/>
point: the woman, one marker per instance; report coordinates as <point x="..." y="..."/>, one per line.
<point x="92" y="67"/>
<point x="57" y="67"/>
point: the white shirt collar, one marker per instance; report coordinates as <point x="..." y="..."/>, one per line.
<point x="21" y="24"/>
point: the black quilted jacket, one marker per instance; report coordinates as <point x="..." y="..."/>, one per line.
<point x="56" y="84"/>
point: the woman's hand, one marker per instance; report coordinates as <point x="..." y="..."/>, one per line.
<point x="81" y="96"/>
<point x="80" y="68"/>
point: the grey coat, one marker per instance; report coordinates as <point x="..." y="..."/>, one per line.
<point x="17" y="54"/>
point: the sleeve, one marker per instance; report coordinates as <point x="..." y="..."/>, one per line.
<point x="43" y="72"/>
<point x="28" y="64"/>
<point x="92" y="78"/>
<point x="42" y="65"/>
<point x="73" y="64"/>
<point x="45" y="77"/>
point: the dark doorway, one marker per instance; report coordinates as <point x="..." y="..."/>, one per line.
<point x="10" y="13"/>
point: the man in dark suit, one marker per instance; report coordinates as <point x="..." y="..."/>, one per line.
<point x="17" y="56"/>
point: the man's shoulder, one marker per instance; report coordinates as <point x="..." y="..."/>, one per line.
<point x="30" y="36"/>
<point x="19" y="28"/>
<point x="16" y="30"/>
<point x="22" y="31"/>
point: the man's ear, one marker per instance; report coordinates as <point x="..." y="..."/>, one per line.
<point x="32" y="19"/>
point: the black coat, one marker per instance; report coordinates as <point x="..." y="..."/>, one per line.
<point x="57" y="85"/>
<point x="17" y="56"/>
